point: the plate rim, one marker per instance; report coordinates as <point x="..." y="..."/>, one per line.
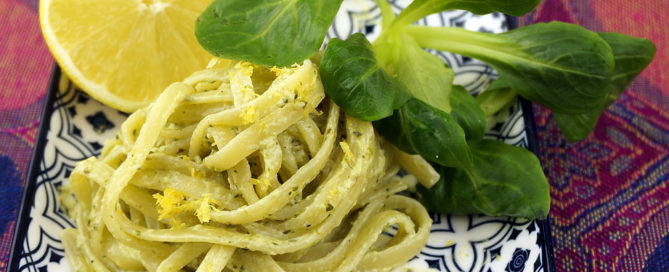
<point x="27" y="197"/>
<point x="533" y="145"/>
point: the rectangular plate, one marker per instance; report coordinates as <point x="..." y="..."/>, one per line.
<point x="74" y="127"/>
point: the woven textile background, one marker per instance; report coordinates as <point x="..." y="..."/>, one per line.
<point x="610" y="193"/>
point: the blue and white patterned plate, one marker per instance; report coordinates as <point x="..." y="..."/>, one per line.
<point x="74" y="126"/>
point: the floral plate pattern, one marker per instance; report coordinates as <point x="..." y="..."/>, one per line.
<point x="75" y="126"/>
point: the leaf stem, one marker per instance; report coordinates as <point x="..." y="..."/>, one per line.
<point x="460" y="41"/>
<point x="387" y="15"/>
<point x="419" y="9"/>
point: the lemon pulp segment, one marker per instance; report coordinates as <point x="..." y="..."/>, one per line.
<point x="124" y="52"/>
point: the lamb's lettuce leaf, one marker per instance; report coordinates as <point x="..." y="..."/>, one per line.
<point x="429" y="79"/>
<point x="267" y="32"/>
<point x="419" y="128"/>
<point x="561" y="66"/>
<point x="467" y="112"/>
<point x="354" y="80"/>
<point x="631" y="55"/>
<point x="505" y="180"/>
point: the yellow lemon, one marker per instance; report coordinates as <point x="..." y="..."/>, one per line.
<point x="124" y="52"/>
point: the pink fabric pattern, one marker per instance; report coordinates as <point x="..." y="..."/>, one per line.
<point x="610" y="201"/>
<point x="25" y="68"/>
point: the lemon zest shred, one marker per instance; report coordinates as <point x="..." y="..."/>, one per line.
<point x="249" y="114"/>
<point x="173" y="202"/>
<point x="203" y="212"/>
<point x="347" y="150"/>
<point x="205" y="207"/>
<point x="245" y="67"/>
<point x="169" y="203"/>
<point x="277" y="71"/>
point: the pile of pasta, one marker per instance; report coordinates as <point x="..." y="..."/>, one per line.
<point x="245" y="168"/>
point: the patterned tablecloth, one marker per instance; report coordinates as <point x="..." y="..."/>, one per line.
<point x="610" y="192"/>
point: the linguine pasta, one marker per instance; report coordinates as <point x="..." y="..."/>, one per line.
<point x="245" y="168"/>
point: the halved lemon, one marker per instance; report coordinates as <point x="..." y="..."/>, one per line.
<point x="124" y="52"/>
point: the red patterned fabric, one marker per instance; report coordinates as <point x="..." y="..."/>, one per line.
<point x="610" y="195"/>
<point x="25" y="68"/>
<point x="610" y="207"/>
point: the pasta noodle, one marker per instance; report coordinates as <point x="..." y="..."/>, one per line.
<point x="241" y="167"/>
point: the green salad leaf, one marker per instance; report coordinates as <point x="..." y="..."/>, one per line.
<point x="267" y="32"/>
<point x="561" y="66"/>
<point x="467" y="112"/>
<point x="417" y="127"/>
<point x="631" y="55"/>
<point x="353" y="79"/>
<point x="496" y="102"/>
<point x="496" y="97"/>
<point x="576" y="127"/>
<point x="505" y="180"/>
<point x="430" y="80"/>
